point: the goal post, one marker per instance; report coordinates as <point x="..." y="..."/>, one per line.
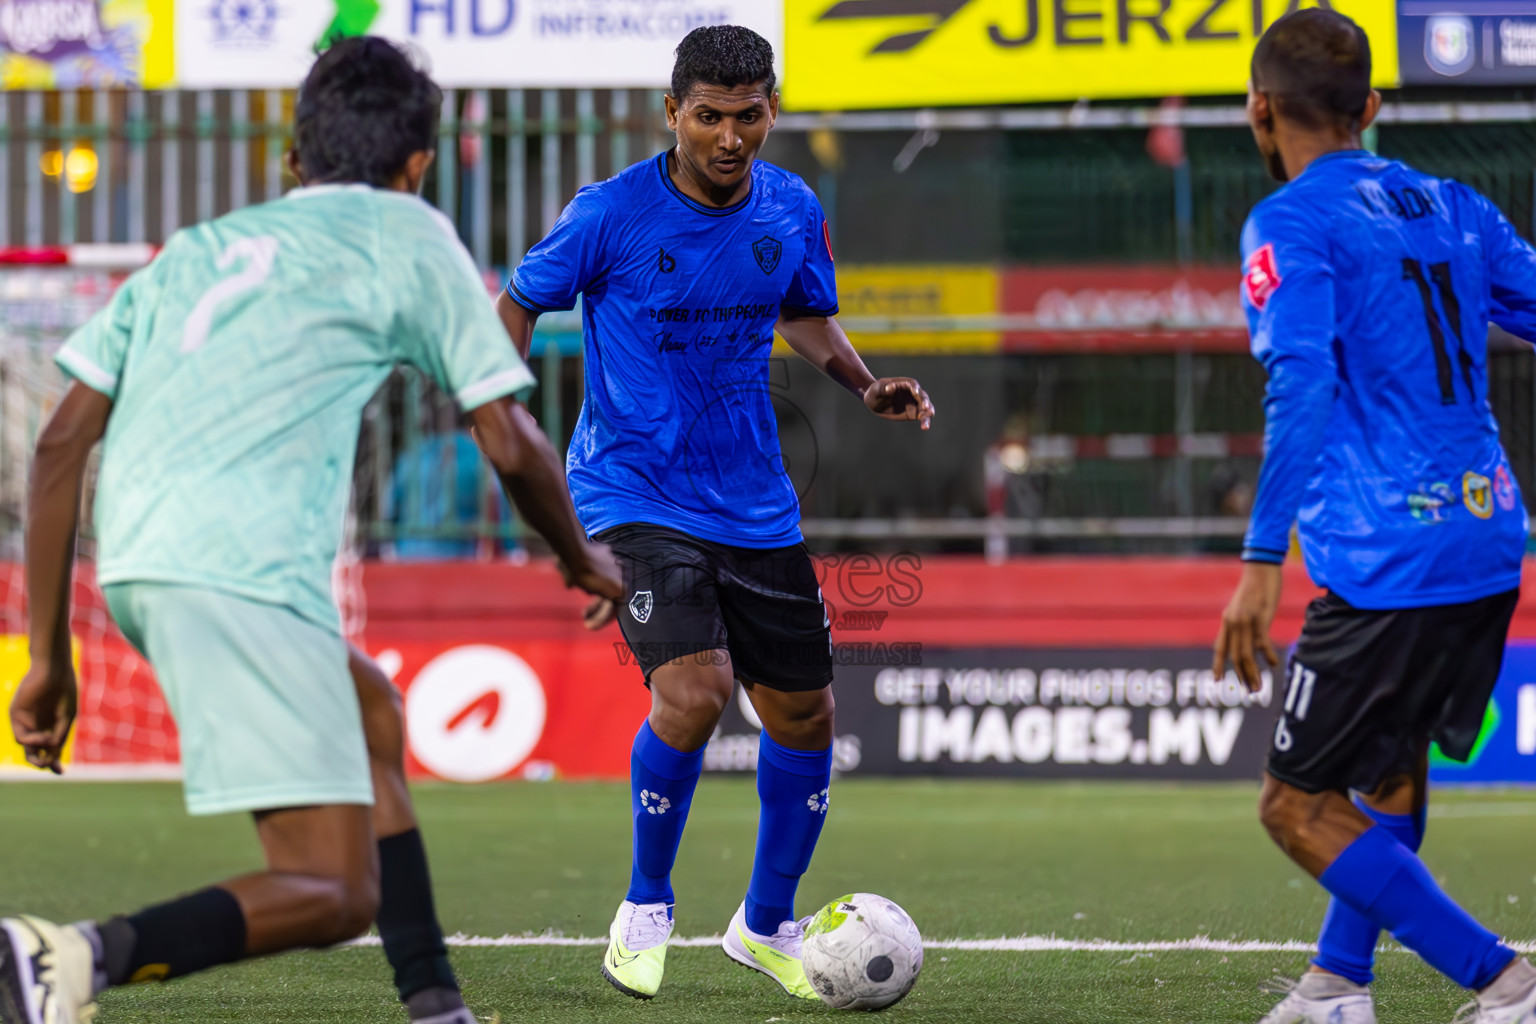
<point x="124" y="728"/>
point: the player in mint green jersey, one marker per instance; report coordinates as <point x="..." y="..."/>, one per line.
<point x="227" y="380"/>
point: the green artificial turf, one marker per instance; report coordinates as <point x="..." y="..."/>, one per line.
<point x="969" y="860"/>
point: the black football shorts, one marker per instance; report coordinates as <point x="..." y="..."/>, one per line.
<point x="1365" y="691"/>
<point x="684" y="595"/>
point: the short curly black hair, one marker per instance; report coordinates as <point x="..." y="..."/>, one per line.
<point x="363" y="109"/>
<point x="1316" y="65"/>
<point x="728" y="55"/>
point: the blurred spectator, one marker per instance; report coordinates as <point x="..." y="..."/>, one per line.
<point x="1230" y="496"/>
<point x="439" y="495"/>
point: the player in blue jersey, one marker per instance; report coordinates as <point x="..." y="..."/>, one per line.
<point x="226" y="381"/>
<point x="685" y="264"/>
<point x="1369" y="288"/>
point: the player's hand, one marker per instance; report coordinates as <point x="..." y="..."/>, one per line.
<point x="599" y="612"/>
<point x="42" y="713"/>
<point x="1244" y="635"/>
<point x="599" y="575"/>
<point x="899" y="398"/>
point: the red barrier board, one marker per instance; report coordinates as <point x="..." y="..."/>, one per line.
<point x="1108" y="308"/>
<point x="501" y="680"/>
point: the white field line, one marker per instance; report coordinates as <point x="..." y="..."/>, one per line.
<point x="1016" y="944"/>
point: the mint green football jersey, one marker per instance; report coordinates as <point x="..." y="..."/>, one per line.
<point x="239" y="362"/>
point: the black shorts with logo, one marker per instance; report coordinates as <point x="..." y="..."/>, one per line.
<point x="1365" y="691"/>
<point x="684" y="595"/>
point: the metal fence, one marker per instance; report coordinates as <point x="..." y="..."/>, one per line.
<point x="134" y="166"/>
<point x="1145" y="452"/>
<point x="1064" y="185"/>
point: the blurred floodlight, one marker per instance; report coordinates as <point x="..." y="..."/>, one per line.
<point x="1014" y="456"/>
<point x="80" y="169"/>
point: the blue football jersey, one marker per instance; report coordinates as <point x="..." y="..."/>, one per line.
<point x="677" y="425"/>
<point x="1369" y="288"/>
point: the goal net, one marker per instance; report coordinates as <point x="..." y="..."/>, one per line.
<point x="124" y="728"/>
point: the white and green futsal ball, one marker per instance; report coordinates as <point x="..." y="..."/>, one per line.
<point x="862" y="952"/>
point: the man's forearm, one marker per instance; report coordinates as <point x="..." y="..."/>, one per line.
<point x="518" y="320"/>
<point x="53" y="517"/>
<point x="540" y="496"/>
<point x="531" y="475"/>
<point x="822" y="342"/>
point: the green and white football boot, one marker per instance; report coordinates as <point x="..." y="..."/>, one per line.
<point x="637" y="948"/>
<point x="776" y="955"/>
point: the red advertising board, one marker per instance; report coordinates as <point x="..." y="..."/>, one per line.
<point x="501" y="681"/>
<point x="1130" y="308"/>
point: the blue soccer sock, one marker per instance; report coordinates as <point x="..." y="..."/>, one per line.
<point x="661" y="784"/>
<point x="792" y="788"/>
<point x="1347" y="944"/>
<point x="1385" y="882"/>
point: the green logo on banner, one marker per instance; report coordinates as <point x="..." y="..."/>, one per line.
<point x="353" y="18"/>
<point x="1490" y="723"/>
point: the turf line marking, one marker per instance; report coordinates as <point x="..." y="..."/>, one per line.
<point x="1016" y="944"/>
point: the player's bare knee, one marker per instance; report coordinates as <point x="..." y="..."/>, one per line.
<point x="349" y="908"/>
<point x="699" y="706"/>
<point x="697" y="698"/>
<point x="685" y="717"/>
<point x="813" y="723"/>
<point x="360" y="909"/>
<point x="803" y="721"/>
<point x="1285" y="810"/>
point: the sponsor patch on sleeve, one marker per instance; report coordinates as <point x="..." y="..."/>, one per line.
<point x="1260" y="276"/>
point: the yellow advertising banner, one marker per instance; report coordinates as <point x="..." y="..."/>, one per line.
<point x="14" y="662"/>
<point x="71" y="44"/>
<point x="853" y="54"/>
<point x="879" y="304"/>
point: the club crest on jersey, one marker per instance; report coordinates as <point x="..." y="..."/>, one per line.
<point x="1477" y="494"/>
<point x="767" y="251"/>
<point x="1261" y="276"/>
<point x="1504" y="489"/>
<point x="640" y="606"/>
<point x="1429" y="502"/>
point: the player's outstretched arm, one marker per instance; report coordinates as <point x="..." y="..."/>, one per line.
<point x="822" y="342"/>
<point x="518" y="320"/>
<point x="534" y="480"/>
<point x="43" y="709"/>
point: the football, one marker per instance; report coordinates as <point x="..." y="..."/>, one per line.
<point x="862" y="952"/>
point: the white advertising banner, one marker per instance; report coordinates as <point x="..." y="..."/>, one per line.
<point x="261" y="45"/>
<point x="465" y="43"/>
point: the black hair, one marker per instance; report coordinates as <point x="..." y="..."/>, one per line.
<point x="728" y="55"/>
<point x="363" y="109"/>
<point x="1315" y="64"/>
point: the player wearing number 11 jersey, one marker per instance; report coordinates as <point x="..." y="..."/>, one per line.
<point x="1369" y="287"/>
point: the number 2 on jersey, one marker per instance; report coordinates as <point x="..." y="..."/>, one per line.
<point x="261" y="252"/>
<point x="1413" y="271"/>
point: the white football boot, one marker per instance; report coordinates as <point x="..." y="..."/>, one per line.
<point x="1318" y="998"/>
<point x="46" y="973"/>
<point x="1511" y="999"/>
<point x="637" y="948"/>
<point x="776" y="955"/>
